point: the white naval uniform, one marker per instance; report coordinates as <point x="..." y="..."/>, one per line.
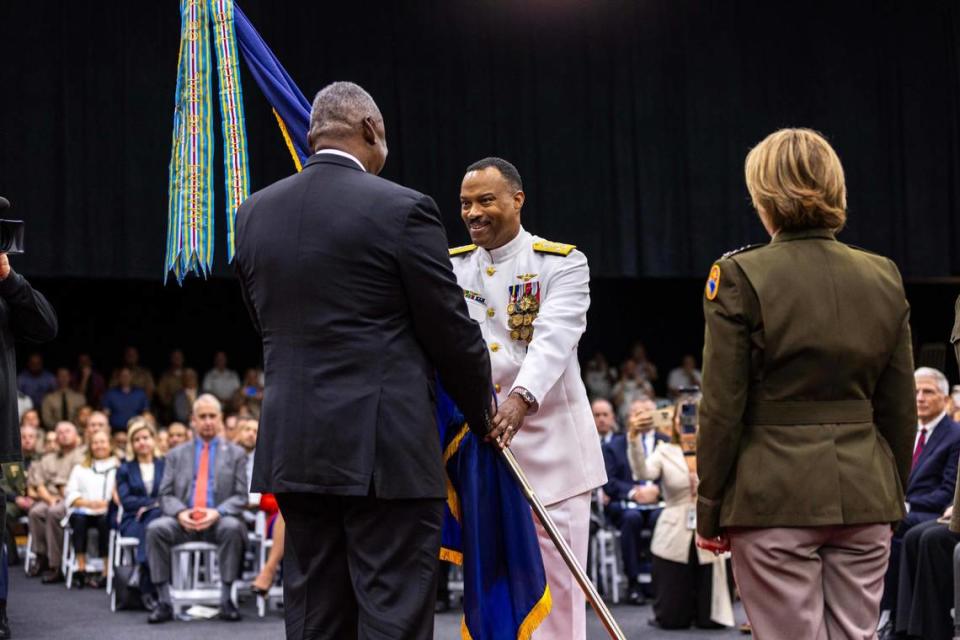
<point x="557" y="447"/>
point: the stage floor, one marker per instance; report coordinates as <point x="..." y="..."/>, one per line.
<point x="51" y="612"/>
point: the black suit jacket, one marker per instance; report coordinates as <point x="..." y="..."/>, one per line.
<point x="348" y="281"/>
<point x="133" y="493"/>
<point x="934" y="477"/>
<point x="619" y="476"/>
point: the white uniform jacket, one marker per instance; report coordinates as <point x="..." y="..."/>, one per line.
<point x="531" y="297"/>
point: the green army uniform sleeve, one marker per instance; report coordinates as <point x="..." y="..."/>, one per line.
<point x="729" y="307"/>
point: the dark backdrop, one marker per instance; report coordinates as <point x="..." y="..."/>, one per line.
<point x="628" y="119"/>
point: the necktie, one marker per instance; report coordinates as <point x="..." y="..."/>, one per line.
<point x="203" y="471"/>
<point x="64" y="409"/>
<point x="919" y="448"/>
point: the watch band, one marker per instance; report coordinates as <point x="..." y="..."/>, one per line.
<point x="526" y="396"/>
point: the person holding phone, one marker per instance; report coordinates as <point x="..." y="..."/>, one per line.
<point x="691" y="585"/>
<point x="808" y="419"/>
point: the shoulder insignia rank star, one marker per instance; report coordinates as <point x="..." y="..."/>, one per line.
<point x="748" y="247"/>
<point x="556" y="248"/>
<point x="458" y="251"/>
<point x="526" y="277"/>
<point x="713" y="283"/>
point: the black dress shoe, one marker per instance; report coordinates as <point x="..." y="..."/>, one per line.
<point x="149" y="601"/>
<point x="40" y="565"/>
<point x="53" y="576"/>
<point x="4" y="625"/>
<point x="636" y="598"/>
<point x="229" y="612"/>
<point x="163" y="613"/>
<point x="96" y="581"/>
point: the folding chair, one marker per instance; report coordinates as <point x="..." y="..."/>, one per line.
<point x="122" y="550"/>
<point x="195" y="576"/>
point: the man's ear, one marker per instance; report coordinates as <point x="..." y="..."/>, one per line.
<point x="518" y="199"/>
<point x="369" y="130"/>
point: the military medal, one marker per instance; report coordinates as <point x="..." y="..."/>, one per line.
<point x="511" y="308"/>
<point x="515" y="334"/>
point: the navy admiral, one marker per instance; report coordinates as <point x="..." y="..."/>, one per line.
<point x="530" y="297"/>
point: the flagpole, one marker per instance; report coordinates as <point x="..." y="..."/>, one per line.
<point x="585" y="584"/>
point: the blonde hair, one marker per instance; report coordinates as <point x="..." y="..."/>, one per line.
<point x="88" y="454"/>
<point x="134" y="426"/>
<point x="796" y="180"/>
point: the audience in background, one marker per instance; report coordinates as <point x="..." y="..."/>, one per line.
<point x="138" y="488"/>
<point x="14" y="484"/>
<point x="88" y="381"/>
<point x="139" y="376"/>
<point x="30" y="417"/>
<point x="177" y="434"/>
<point x="634" y="503"/>
<point x="599" y="377"/>
<point x="630" y="387"/>
<point x="34" y="381"/>
<point x="202" y="494"/>
<point x="250" y="395"/>
<point x="88" y="494"/>
<point x="170" y="382"/>
<point x="48" y="479"/>
<point x="645" y="368"/>
<point x="933" y="477"/>
<point x="185" y="397"/>
<point x="124" y="401"/>
<point x="247" y="440"/>
<point x="691" y="583"/>
<point x="24" y="403"/>
<point x="96" y="421"/>
<point x="62" y="403"/>
<point x="50" y="444"/>
<point x="118" y="442"/>
<point x="221" y="381"/>
<point x="276" y="527"/>
<point x="686" y="375"/>
<point x="81" y="416"/>
<point x="604" y="419"/>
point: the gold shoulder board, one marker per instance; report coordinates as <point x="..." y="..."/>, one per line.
<point x="556" y="248"/>
<point x="467" y="248"/>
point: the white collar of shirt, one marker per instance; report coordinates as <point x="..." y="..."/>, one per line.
<point x="342" y="154"/>
<point x="607" y="437"/>
<point x="509" y="250"/>
<point x="930" y="426"/>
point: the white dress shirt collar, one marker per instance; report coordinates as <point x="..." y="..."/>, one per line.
<point x="342" y="154"/>
<point x="511" y="249"/>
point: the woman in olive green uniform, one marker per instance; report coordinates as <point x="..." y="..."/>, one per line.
<point x="808" y="414"/>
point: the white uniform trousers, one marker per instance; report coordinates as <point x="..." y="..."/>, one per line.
<point x="568" y="617"/>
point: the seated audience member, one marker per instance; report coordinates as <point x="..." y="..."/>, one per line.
<point x="81" y="417"/>
<point x="632" y="505"/>
<point x="118" y="442"/>
<point x="88" y="381"/>
<point x="177" y="434"/>
<point x="645" y="368"/>
<point x="138" y="486"/>
<point x="163" y="441"/>
<point x="170" y="382"/>
<point x="691" y="584"/>
<point x="140" y="376"/>
<point x="686" y="375"/>
<point x="50" y="444"/>
<point x="89" y="490"/>
<point x="124" y="401"/>
<point x="231" y="426"/>
<point x="930" y="486"/>
<point x="276" y="528"/>
<point x="604" y="419"/>
<point x="202" y="494"/>
<point x="631" y="386"/>
<point x="184" y="398"/>
<point x="247" y="440"/>
<point x="48" y="479"/>
<point x="598" y="377"/>
<point x="35" y="381"/>
<point x="96" y="421"/>
<point x="19" y="500"/>
<point x="31" y="417"/>
<point x="250" y="394"/>
<point x="221" y="381"/>
<point x="925" y="594"/>
<point x="62" y="403"/>
<point x="24" y="403"/>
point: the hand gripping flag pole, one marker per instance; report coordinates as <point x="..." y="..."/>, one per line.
<point x="565" y="551"/>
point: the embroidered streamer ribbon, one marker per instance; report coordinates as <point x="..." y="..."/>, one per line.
<point x="190" y="214"/>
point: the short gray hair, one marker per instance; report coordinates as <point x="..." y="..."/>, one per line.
<point x="338" y="109"/>
<point x="936" y="376"/>
<point x="208" y="398"/>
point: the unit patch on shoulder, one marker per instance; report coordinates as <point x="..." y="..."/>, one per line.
<point x="556" y="248"/>
<point x="713" y="283"/>
<point x="748" y="247"/>
<point x="467" y="248"/>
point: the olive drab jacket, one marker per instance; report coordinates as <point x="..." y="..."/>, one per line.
<point x="808" y="414"/>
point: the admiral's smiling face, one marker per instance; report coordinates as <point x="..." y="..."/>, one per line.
<point x="490" y="207"/>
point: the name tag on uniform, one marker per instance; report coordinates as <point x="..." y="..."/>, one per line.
<point x="692" y="518"/>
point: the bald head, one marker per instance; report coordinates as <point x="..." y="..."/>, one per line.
<point x="345" y="117"/>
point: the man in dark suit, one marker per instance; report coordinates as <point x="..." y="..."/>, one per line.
<point x="347" y="279"/>
<point x="632" y="505"/>
<point x="933" y="477"/>
<point x="202" y="494"/>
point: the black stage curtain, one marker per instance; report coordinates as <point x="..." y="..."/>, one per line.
<point x="629" y="120"/>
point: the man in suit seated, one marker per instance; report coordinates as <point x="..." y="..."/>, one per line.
<point x="632" y="504"/>
<point x="202" y="494"/>
<point x="933" y="477"/>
